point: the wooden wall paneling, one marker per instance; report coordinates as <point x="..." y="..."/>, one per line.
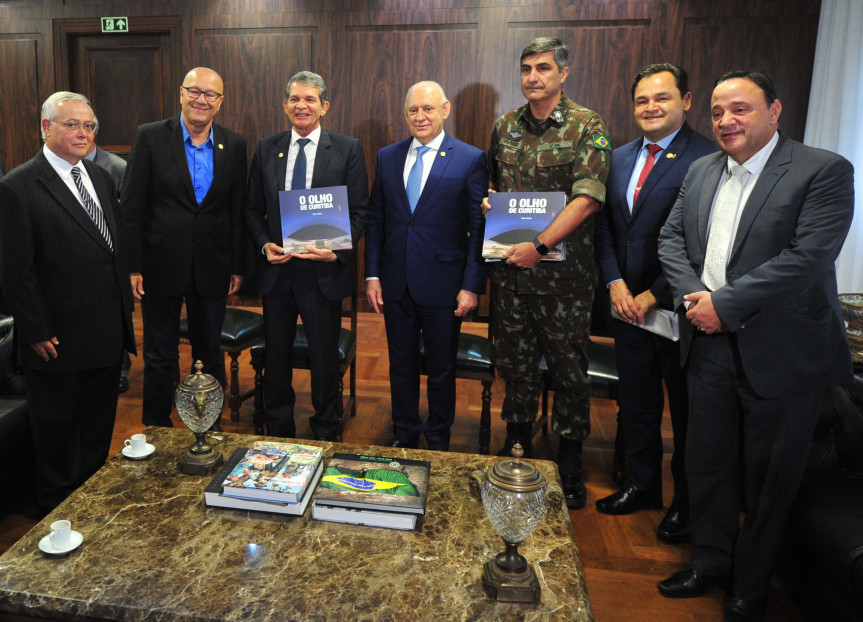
<point x="255" y="65"/>
<point x="783" y="48"/>
<point x="20" y="105"/>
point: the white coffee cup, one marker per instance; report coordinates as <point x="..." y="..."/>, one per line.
<point x="61" y="534"/>
<point x="137" y="444"/>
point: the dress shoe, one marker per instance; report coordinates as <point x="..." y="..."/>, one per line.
<point x="688" y="583"/>
<point x="675" y="527"/>
<point x="397" y="442"/>
<point x="124" y="384"/>
<point x="738" y="610"/>
<point x="571" y="477"/>
<point x="629" y="499"/>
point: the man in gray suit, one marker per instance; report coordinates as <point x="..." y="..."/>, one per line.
<point x="116" y="166"/>
<point x="749" y="251"/>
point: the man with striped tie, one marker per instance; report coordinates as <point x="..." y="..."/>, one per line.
<point x="67" y="286"/>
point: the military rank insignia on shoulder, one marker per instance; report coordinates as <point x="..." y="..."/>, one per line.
<point x="602" y="142"/>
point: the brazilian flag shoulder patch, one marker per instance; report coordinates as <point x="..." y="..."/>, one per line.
<point x="602" y="142"/>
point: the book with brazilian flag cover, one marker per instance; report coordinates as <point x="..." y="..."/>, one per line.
<point x="374" y="483"/>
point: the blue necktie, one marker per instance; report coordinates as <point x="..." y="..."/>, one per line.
<point x="415" y="178"/>
<point x="298" y="181"/>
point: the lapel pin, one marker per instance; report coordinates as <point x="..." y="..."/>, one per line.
<point x="221" y="146"/>
<point x="442" y="153"/>
<point x="281" y="155"/>
<point x="670" y="156"/>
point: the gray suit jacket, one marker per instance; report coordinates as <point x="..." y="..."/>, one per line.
<point x="781" y="298"/>
<point x="115" y="165"/>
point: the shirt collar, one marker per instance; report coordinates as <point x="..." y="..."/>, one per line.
<point x="434" y="144"/>
<point x="60" y="165"/>
<point x="662" y="142"/>
<point x="756" y="163"/>
<point x="187" y="136"/>
<point x="314" y="136"/>
<point x="91" y="156"/>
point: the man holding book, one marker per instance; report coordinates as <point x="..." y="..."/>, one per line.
<point x="312" y="284"/>
<point x="551" y="144"/>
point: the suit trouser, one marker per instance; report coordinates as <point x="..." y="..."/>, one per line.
<point x="405" y="320"/>
<point x="72" y="420"/>
<point x="736" y="436"/>
<point x="161" y="317"/>
<point x="528" y="327"/>
<point x="296" y="293"/>
<point x="644" y="360"/>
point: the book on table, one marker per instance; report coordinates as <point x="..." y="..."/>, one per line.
<point x="517" y="217"/>
<point x="373" y="490"/>
<point x="214" y="497"/>
<point x="272" y="471"/>
<point x="318" y="217"/>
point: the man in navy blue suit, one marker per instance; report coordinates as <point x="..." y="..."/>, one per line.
<point x="643" y="183"/>
<point x="423" y="259"/>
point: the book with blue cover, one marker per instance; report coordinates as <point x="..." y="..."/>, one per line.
<point x="274" y="471"/>
<point x="517" y="217"/>
<point x="318" y="217"/>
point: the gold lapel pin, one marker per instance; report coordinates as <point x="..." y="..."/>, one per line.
<point x="281" y="155"/>
<point x="442" y="153"/>
<point x="670" y="156"/>
<point x="221" y="146"/>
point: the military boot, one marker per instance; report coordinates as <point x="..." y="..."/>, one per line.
<point x="569" y="466"/>
<point x="518" y="433"/>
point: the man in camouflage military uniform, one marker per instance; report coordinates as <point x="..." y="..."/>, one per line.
<point x="551" y="144"/>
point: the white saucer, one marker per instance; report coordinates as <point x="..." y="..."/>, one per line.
<point x="75" y="541"/>
<point x="148" y="449"/>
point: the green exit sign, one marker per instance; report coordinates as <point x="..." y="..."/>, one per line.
<point x="115" y="24"/>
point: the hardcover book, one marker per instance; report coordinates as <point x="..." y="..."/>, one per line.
<point x="371" y="518"/>
<point x="213" y="492"/>
<point x="375" y="483"/>
<point x="318" y="217"/>
<point x="274" y="472"/>
<point x="517" y="217"/>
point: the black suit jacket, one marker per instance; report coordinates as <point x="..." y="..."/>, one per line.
<point x="58" y="273"/>
<point x="165" y="230"/>
<point x="780" y="298"/>
<point x="626" y="244"/>
<point x="339" y="161"/>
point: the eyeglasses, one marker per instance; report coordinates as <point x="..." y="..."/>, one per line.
<point x="195" y="93"/>
<point x="74" y="126"/>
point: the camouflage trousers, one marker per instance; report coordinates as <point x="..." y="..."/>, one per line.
<point x="526" y="328"/>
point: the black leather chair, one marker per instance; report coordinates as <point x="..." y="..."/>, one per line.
<point x="821" y="560"/>
<point x="241" y="329"/>
<point x="476" y="360"/>
<point x="16" y="442"/>
<point x="300" y="360"/>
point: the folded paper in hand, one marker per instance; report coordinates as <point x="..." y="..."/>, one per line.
<point x="659" y="321"/>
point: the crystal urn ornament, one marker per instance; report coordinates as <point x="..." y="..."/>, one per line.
<point x="199" y="398"/>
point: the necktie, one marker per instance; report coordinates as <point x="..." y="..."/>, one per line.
<point x="415" y="178"/>
<point x="298" y="181"/>
<point x="721" y="229"/>
<point x="652" y="150"/>
<point x="93" y="210"/>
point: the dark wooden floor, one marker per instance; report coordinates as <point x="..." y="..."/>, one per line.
<point x="621" y="556"/>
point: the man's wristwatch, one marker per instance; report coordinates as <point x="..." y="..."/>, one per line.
<point x="541" y="248"/>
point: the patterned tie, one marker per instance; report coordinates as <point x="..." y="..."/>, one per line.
<point x="415" y="178"/>
<point x="298" y="181"/>
<point x="721" y="229"/>
<point x="95" y="212"/>
<point x="652" y="150"/>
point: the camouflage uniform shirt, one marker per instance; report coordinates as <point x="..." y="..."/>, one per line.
<point x="568" y="152"/>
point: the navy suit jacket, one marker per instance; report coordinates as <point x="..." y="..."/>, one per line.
<point x="435" y="251"/>
<point x="780" y="298"/>
<point x="58" y="273"/>
<point x="339" y="161"/>
<point x="626" y="244"/>
<point x="166" y="232"/>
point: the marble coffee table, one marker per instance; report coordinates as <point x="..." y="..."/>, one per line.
<point x="153" y="551"/>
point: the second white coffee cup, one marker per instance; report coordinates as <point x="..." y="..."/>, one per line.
<point x="137" y="444"/>
<point x="61" y="534"/>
